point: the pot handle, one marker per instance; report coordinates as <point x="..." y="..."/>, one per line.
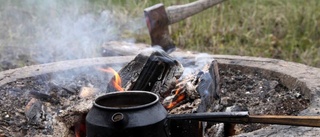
<point x="219" y="117"/>
<point x="245" y="118"/>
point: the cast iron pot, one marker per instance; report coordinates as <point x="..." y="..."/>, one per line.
<point x="140" y="114"/>
<point x="127" y="114"/>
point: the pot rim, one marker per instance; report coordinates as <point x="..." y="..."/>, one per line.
<point x="107" y="95"/>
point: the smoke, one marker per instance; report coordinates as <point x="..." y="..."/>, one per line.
<point x="43" y="31"/>
<point x="200" y="61"/>
<point x="54" y="30"/>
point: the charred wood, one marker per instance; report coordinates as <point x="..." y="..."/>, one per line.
<point x="44" y="97"/>
<point x="200" y="94"/>
<point x="203" y="85"/>
<point x="153" y="71"/>
<point x="208" y="87"/>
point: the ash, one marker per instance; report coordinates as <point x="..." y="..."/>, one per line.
<point x="37" y="106"/>
<point x="258" y="95"/>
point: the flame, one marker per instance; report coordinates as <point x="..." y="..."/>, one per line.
<point x="80" y="126"/>
<point x="178" y="91"/>
<point x="177" y="99"/>
<point x="116" y="81"/>
<point x="175" y="102"/>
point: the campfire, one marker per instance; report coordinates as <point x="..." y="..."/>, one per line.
<point x="157" y="72"/>
<point x="156" y="91"/>
<point x="63" y="108"/>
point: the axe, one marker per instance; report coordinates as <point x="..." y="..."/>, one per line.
<point x="158" y="19"/>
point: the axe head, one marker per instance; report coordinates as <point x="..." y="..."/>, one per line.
<point x="157" y="22"/>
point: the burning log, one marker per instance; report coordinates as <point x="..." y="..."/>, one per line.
<point x="196" y="93"/>
<point x="204" y="85"/>
<point x="153" y="71"/>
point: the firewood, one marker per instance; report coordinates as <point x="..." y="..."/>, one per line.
<point x="208" y="86"/>
<point x="200" y="93"/>
<point x="203" y="85"/>
<point x="153" y="71"/>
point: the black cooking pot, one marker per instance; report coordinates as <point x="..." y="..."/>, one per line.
<point x="140" y="114"/>
<point x="127" y="114"/>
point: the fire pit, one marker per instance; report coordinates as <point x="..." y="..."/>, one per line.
<point x="301" y="81"/>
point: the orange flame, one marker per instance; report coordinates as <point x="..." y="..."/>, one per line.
<point x="177" y="99"/>
<point x="80" y="127"/>
<point x="178" y="91"/>
<point x="116" y="82"/>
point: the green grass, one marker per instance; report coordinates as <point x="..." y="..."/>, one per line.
<point x="281" y="29"/>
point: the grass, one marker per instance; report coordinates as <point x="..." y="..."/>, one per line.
<point x="281" y="29"/>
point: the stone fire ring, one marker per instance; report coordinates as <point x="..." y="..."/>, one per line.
<point x="290" y="74"/>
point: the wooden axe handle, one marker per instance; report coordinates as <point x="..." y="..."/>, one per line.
<point x="180" y="12"/>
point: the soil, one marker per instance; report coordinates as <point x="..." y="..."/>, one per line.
<point x="239" y="92"/>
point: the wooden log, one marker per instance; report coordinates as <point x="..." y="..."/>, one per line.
<point x="206" y="85"/>
<point x="153" y="71"/>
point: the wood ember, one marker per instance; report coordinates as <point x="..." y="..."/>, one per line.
<point x="204" y="85"/>
<point x="185" y="91"/>
<point x="195" y="93"/>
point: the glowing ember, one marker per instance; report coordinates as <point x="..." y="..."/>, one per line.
<point x="80" y="127"/>
<point x="178" y="91"/>
<point x="116" y="81"/>
<point x="175" y="102"/>
<point x="177" y="99"/>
